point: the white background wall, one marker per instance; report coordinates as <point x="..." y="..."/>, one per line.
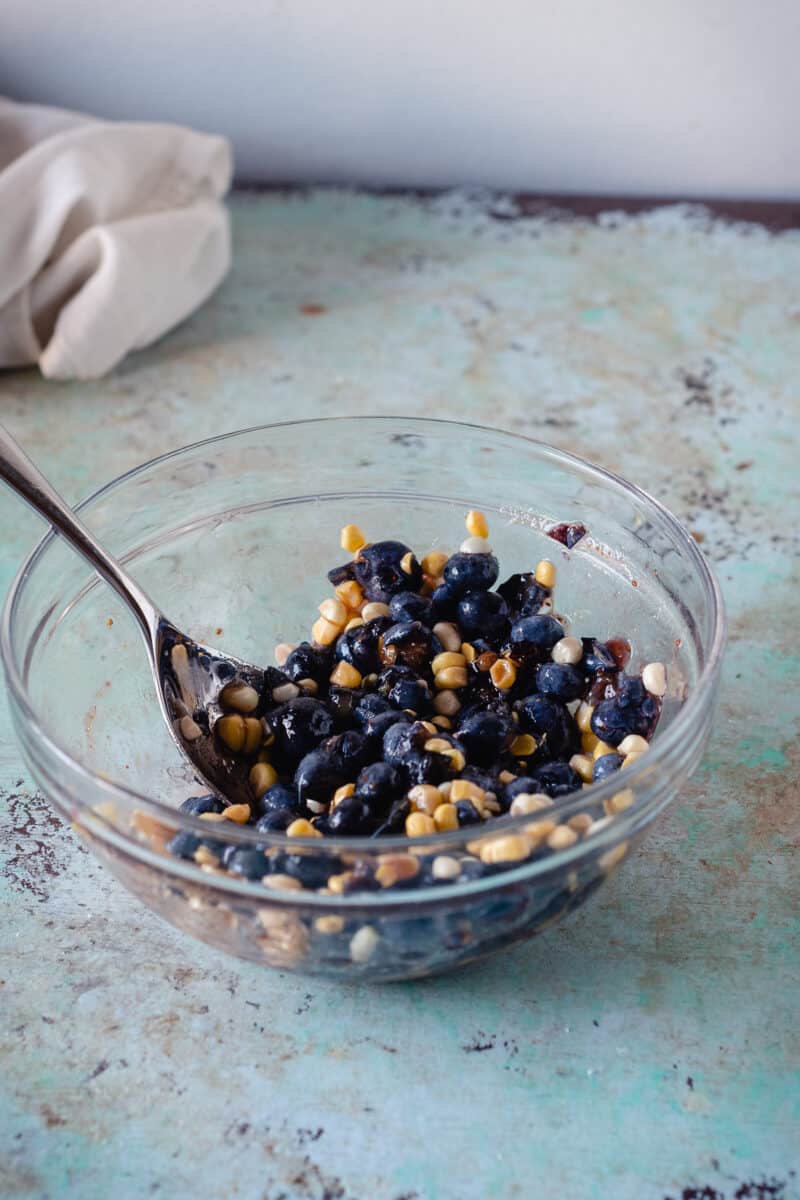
<point x="676" y="97"/>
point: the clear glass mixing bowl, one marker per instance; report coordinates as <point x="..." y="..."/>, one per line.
<point x="232" y="537"/>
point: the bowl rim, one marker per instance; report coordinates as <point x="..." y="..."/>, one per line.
<point x="663" y="749"/>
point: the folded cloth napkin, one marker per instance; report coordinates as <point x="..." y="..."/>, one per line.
<point x="110" y="233"/>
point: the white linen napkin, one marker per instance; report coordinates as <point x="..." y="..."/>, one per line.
<point x="110" y="234"/>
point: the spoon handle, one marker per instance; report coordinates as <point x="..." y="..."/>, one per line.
<point x="27" y="480"/>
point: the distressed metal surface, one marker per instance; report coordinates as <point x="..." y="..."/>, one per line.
<point x="648" y="1047"/>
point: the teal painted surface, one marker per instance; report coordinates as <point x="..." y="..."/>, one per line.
<point x="664" y="347"/>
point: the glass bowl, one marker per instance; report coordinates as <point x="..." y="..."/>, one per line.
<point x="232" y="537"/>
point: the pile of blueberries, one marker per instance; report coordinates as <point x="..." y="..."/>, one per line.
<point x="360" y="757"/>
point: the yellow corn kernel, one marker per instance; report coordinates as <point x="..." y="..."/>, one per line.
<point x="446" y="703"/>
<point x="396" y="868"/>
<point x="583" y="717"/>
<point x="469" y="652"/>
<point x="204" y="857"/>
<point x="302" y="828"/>
<point x="324" y="632"/>
<point x="407" y="563"/>
<point x="633" y="744"/>
<point x="514" y="848"/>
<point x="581" y="823"/>
<point x="429" y="725"/>
<point x="545" y="573"/>
<point x="450" y="678"/>
<point x="282" y="652"/>
<point x="262" y="777"/>
<point x="329" y="924"/>
<point x="619" y="802"/>
<point x="539" y="830"/>
<point x="211" y="816"/>
<point x="448" y="634"/>
<point x="437" y="745"/>
<point x="353" y="623"/>
<point x="464" y="789"/>
<point x="630" y="759"/>
<point x="588" y="742"/>
<point x="342" y="793"/>
<point x="309" y="686"/>
<point x="602" y="748"/>
<point x="352" y="538"/>
<point x="239" y="813"/>
<point x="525" y="803"/>
<point x="562" y="838"/>
<point x="351" y="594"/>
<point x="433" y="563"/>
<point x="446" y="818"/>
<point x="231" y="731"/>
<point x="583" y="765"/>
<point x="445" y="788"/>
<point x="523" y="745"/>
<point x="418" y="824"/>
<point x="424" y="798"/>
<point x="373" y="610"/>
<point x="448" y="658"/>
<point x="240" y="697"/>
<point x="334" y="611"/>
<point x="503" y="674"/>
<point x="507" y="777"/>
<point x="442" y="722"/>
<point x="344" y="674"/>
<point x="477" y="525"/>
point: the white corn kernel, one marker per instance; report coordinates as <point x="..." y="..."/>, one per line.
<point x="282" y="652"/>
<point x="448" y="634"/>
<point x="526" y="803"/>
<point x="363" y="944"/>
<point x="569" y="650"/>
<point x="445" y="867"/>
<point x="654" y="678"/>
<point x="475" y="545"/>
<point x="373" y="610"/>
<point x="632" y="744"/>
<point x="284" y="692"/>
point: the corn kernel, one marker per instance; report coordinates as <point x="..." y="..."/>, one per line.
<point x="583" y="717"/>
<point x="352" y="539"/>
<point x="442" y="722"/>
<point x="444" y="788"/>
<point x="477" y="525"/>
<point x="475" y="545"/>
<point x="396" y="868"/>
<point x="469" y="652"/>
<point x="446" y="703"/>
<point x="446" y="818"/>
<point x="526" y="803"/>
<point x="433" y="563"/>
<point x="239" y="813"/>
<point x="282" y="883"/>
<point x="418" y="824"/>
<point x="344" y="674"/>
<point x="562" y="838"/>
<point x="282" y="652"/>
<point x="602" y="748"/>
<point x="424" y="798"/>
<point x="630" y="759"/>
<point x="329" y="924"/>
<point x="545" y="573"/>
<point x="231" y="731"/>
<point x="437" y="745"/>
<point x="448" y="634"/>
<point x="262" y="777"/>
<point x="324" y="632"/>
<point x="334" y="611"/>
<point x="654" y="678"/>
<point x="342" y="793"/>
<point x="506" y="777"/>
<point x="588" y="742"/>
<point x="583" y="765"/>
<point x="451" y="677"/>
<point x="431" y="728"/>
<point x="373" y="610"/>
<point x="514" y="848"/>
<point x="633" y="744"/>
<point x="351" y="594"/>
<point x="445" y="867"/>
<point x="302" y="828"/>
<point x="204" y="857"/>
<point x="240" y="697"/>
<point x="449" y="658"/>
<point x="353" y="623"/>
<point x="568" y="650"/>
<point x="309" y="687"/>
<point x="581" y="823"/>
<point x="407" y="563"/>
<point x="503" y="673"/>
<point x="523" y="745"/>
<point x="465" y="789"/>
<point x="619" y="802"/>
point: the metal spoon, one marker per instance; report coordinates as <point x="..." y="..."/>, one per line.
<point x="188" y="676"/>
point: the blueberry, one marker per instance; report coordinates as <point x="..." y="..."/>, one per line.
<point x="352" y="816"/>
<point x="342" y="574"/>
<point x="555" y="779"/>
<point x="539" y="633"/>
<point x="342" y="702"/>
<point x="597" y="656"/>
<point x="378" y="785"/>
<point x="482" y="614"/>
<point x="299" y="726"/>
<point x="202" y="804"/>
<point x="632" y="710"/>
<point x="396" y="820"/>
<point x="471" y="868"/>
<point x="467" y="813"/>
<point x="484" y="779"/>
<point x="408" y="644"/>
<point x="419" y="766"/>
<point x="278" y="798"/>
<point x="360" y="646"/>
<point x="484" y="735"/>
<point x="309" y="662"/>
<point x="318" y="776"/>
<point x="606" y="765"/>
<point x="184" y="844"/>
<point x="550" y="723"/>
<point x="409" y="606"/>
<point x="312" y="870"/>
<point x="247" y="861"/>
<point x="275" y="821"/>
<point x="522" y="594"/>
<point x="392" y="675"/>
<point x="444" y="604"/>
<point x="469" y="573"/>
<point x="410" y="693"/>
<point x="377" y="726"/>
<point x="379" y="571"/>
<point x="522" y="785"/>
<point x="369" y="706"/>
<point x="560" y="680"/>
<point x="351" y="749"/>
<point x="401" y="740"/>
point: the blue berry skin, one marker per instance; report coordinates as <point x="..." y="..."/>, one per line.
<point x="318" y="776"/>
<point x="410" y="693"/>
<point x="561" y="680"/>
<point x="309" y="662"/>
<point x="248" y="862"/>
<point x="378" y="785"/>
<point x="377" y="726"/>
<point x="484" y="735"/>
<point x="632" y="710"/>
<point x="360" y="646"/>
<point x="522" y="594"/>
<point x="276" y="799"/>
<point x="202" y="804"/>
<point x="276" y="821"/>
<point x="523" y="783"/>
<point x="408" y="644"/>
<point x="605" y="765"/>
<point x="444" y="603"/>
<point x="400" y="741"/>
<point x="597" y="656"/>
<point x="350" y="749"/>
<point x="469" y="573"/>
<point x="408" y="606"/>
<point x="556" y="779"/>
<point x="299" y="726"/>
<point x="312" y="870"/>
<point x="342" y="701"/>
<point x="184" y="844"/>
<point x="483" y="614"/>
<point x="396" y="820"/>
<point x="467" y="813"/>
<point x="352" y="816"/>
<point x="370" y="706"/>
<point x="549" y="722"/>
<point x="539" y="633"/>
<point x="342" y="574"/>
<point x="377" y="569"/>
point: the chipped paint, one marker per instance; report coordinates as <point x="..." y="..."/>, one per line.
<point x="663" y="345"/>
